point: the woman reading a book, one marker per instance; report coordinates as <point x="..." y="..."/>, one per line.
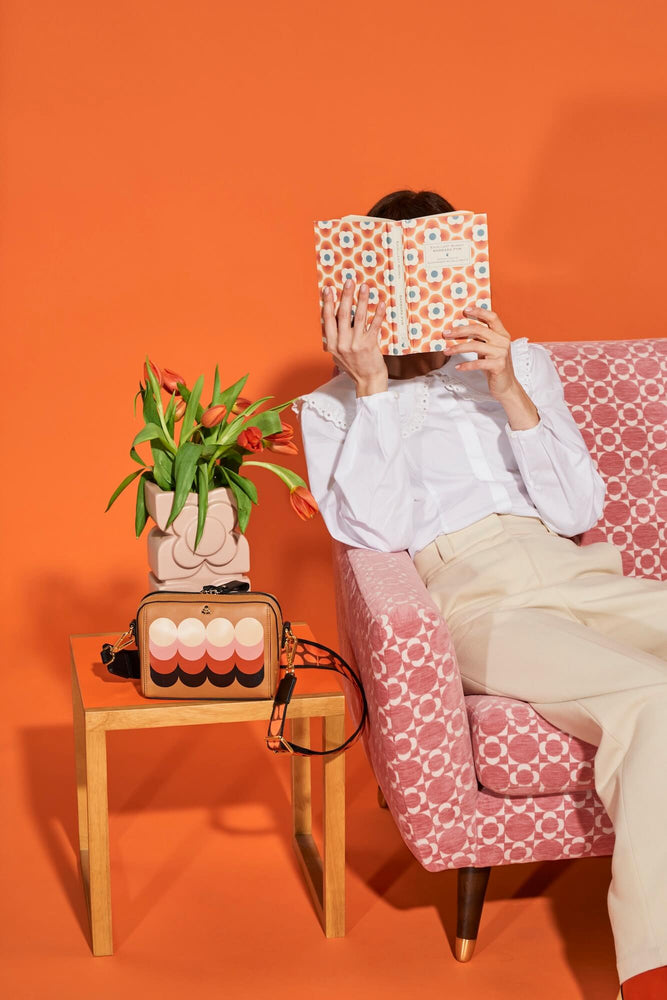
<point x="470" y="459"/>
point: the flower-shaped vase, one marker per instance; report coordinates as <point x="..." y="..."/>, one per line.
<point x="222" y="554"/>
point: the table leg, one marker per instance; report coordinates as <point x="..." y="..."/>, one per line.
<point x="301" y="780"/>
<point x="325" y="878"/>
<point x="333" y="903"/>
<point x="98" y="842"/>
<point x="307" y="853"/>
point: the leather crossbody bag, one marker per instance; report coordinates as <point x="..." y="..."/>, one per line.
<point x="227" y="642"/>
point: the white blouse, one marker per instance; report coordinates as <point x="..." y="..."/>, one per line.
<point x="435" y="452"/>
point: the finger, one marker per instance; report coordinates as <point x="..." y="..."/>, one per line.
<point x="478" y="347"/>
<point x="329" y="321"/>
<point x="344" y="311"/>
<point x="376" y="323"/>
<point x="469" y="331"/>
<point x="492" y="319"/>
<point x="486" y="364"/>
<point x="359" y="325"/>
<point x="478" y="332"/>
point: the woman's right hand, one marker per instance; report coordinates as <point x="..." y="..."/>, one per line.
<point x="354" y="348"/>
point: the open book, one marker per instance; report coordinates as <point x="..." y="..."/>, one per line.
<point x="427" y="271"/>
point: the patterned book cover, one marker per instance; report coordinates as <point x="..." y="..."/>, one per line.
<point x="427" y="270"/>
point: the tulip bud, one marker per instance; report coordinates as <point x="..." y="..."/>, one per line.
<point x="179" y="409"/>
<point x="241" y="404"/>
<point x="282" y="440"/>
<point x="171" y="379"/>
<point x="214" y="415"/>
<point x="251" y="438"/>
<point x="287" y="448"/>
<point x="303" y="502"/>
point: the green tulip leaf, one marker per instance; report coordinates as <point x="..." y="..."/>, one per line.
<point x="140" y="514"/>
<point x="151" y="415"/>
<point x="155" y="389"/>
<point x="148" y="433"/>
<point x="232" y="392"/>
<point x="268" y="422"/>
<point x="185" y="465"/>
<point x="216" y="387"/>
<point x="288" y="476"/>
<point x="246" y="485"/>
<point x="190" y="414"/>
<point x="139" y="393"/>
<point x="119" y="489"/>
<point x="136" y="457"/>
<point x="244" y="509"/>
<point x="163" y="466"/>
<point x="202" y="502"/>
<point x="170" y="414"/>
<point x="243" y="504"/>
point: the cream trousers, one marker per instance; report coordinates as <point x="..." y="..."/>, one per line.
<point x="535" y="616"/>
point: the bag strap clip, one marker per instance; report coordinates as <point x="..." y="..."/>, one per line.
<point x="109" y="651"/>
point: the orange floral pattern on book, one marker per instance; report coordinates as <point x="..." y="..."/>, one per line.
<point x="436" y="292"/>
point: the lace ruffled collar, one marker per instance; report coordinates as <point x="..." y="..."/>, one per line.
<point x="336" y="399"/>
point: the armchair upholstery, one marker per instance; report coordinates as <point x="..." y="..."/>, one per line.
<point x="474" y="781"/>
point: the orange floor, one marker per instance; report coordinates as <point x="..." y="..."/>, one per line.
<point x="208" y="900"/>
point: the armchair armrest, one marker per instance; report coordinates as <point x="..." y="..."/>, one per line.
<point x="417" y="738"/>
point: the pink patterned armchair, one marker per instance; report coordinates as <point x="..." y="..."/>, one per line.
<point x="474" y="781"/>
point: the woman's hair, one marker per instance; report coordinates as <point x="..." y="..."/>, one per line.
<point x="407" y="204"/>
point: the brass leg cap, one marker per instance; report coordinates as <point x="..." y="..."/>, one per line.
<point x="465" y="948"/>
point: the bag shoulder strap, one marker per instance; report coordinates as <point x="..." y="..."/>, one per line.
<point x="275" y="740"/>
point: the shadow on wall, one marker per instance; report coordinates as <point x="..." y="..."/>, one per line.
<point x="65" y="605"/>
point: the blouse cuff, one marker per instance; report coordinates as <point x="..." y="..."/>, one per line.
<point x="371" y="398"/>
<point x="526" y="432"/>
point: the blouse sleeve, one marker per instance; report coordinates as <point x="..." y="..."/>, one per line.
<point x="560" y="475"/>
<point x="359" y="476"/>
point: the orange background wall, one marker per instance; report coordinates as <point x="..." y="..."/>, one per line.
<point x="162" y="163"/>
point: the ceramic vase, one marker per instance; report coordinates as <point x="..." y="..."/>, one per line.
<point x="223" y="553"/>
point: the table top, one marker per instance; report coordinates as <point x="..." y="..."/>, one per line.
<point x="100" y="689"/>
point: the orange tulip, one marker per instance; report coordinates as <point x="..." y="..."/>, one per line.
<point x="303" y="502"/>
<point x="241" y="403"/>
<point x="180" y="405"/>
<point x="214" y="415"/>
<point x="282" y="440"/>
<point x="156" y="371"/>
<point x="288" y="448"/>
<point x="251" y="438"/>
<point x="171" y="379"/>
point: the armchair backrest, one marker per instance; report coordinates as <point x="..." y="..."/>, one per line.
<point x="617" y="392"/>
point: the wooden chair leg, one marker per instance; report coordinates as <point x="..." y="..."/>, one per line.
<point x="472" y="884"/>
<point x="382" y="802"/>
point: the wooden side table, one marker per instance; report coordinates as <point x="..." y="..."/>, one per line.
<point x="101" y="704"/>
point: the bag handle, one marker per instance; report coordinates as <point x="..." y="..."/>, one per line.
<point x="123" y="662"/>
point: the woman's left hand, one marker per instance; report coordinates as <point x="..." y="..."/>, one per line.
<point x="492" y="342"/>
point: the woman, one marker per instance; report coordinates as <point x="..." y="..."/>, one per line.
<point x="472" y="461"/>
